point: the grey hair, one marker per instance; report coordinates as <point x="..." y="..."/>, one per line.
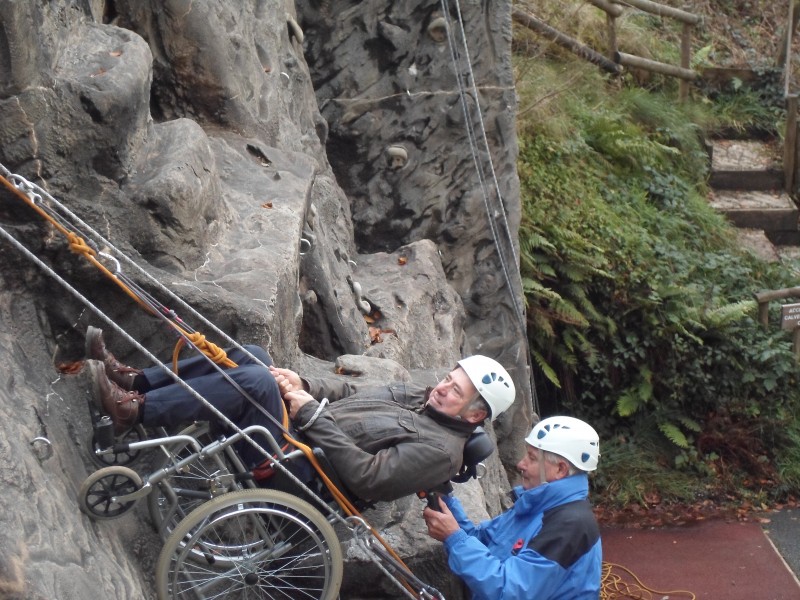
<point x="554" y="458"/>
<point x="478" y="403"/>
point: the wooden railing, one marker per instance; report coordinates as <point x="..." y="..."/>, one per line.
<point x="614" y="58"/>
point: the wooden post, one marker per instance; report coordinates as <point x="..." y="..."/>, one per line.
<point x="784" y="50"/>
<point x="796" y="172"/>
<point x="611" y="23"/>
<point x="790" y="144"/>
<point x="629" y="60"/>
<point x="612" y="12"/>
<point x="796" y="342"/>
<point x="686" y="59"/>
<point x="763" y="312"/>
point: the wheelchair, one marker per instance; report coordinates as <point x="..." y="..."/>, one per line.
<point x="225" y="534"/>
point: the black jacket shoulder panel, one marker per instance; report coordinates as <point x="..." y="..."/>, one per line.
<point x="568" y="532"/>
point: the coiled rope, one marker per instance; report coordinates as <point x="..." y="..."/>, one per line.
<point x="614" y="586"/>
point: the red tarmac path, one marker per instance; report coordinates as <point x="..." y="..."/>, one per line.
<point x="715" y="560"/>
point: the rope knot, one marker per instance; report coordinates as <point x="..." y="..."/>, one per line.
<point x="210" y="349"/>
<point x="78" y="245"/>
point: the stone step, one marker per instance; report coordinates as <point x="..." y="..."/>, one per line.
<point x="771" y="211"/>
<point x="757" y="242"/>
<point x="746" y="165"/>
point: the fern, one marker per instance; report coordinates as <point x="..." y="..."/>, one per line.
<point x="674" y="435"/>
<point x="728" y="313"/>
<point x="628" y="403"/>
<point x="690" y="424"/>
<point x="547" y="370"/>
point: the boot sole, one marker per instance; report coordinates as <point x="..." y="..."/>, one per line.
<point x="96" y="369"/>
<point x="91" y="333"/>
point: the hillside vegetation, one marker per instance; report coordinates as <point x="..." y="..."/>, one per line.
<point x="642" y="318"/>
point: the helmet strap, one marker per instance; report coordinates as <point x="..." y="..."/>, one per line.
<point x="542" y="474"/>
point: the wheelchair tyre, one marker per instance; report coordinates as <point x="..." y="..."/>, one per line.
<point x="255" y="544"/>
<point x="137" y="434"/>
<point x="99" y="490"/>
<point x="180" y="493"/>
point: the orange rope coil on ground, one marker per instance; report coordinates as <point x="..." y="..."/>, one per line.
<point x="614" y="587"/>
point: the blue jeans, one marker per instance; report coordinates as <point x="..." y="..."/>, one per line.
<point x="169" y="404"/>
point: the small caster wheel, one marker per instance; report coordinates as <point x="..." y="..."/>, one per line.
<point x="137" y="434"/>
<point x="99" y="492"/>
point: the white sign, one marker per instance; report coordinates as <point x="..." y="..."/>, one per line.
<point x="790" y="316"/>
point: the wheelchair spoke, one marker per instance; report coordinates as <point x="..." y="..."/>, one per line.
<point x="253" y="544"/>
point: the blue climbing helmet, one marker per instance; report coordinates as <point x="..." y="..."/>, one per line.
<point x="491" y="380"/>
<point x="568" y="437"/>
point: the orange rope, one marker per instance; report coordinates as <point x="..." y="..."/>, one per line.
<point x="613" y="587"/>
<point x="214" y="352"/>
<point x="345" y="504"/>
<point x="210" y="349"/>
<point x="79" y="246"/>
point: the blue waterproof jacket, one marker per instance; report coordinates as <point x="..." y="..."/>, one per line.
<point x="547" y="546"/>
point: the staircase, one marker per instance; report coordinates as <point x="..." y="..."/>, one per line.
<point x="747" y="186"/>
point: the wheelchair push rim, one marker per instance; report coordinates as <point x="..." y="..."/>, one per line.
<point x="255" y="544"/>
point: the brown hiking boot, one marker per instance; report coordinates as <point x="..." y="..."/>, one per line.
<point x="121" y="405"/>
<point x="120" y="374"/>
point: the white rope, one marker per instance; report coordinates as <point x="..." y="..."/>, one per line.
<point x="490" y="213"/>
<point x="332" y="513"/>
<point x="22" y="184"/>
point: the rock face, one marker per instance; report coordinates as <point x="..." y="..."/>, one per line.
<point x="308" y="176"/>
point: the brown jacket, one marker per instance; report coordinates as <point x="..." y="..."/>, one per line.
<point x="381" y="440"/>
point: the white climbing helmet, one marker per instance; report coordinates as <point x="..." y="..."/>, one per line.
<point x="569" y="437"/>
<point x="492" y="381"/>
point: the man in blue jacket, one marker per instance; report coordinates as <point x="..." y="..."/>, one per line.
<point x="547" y="546"/>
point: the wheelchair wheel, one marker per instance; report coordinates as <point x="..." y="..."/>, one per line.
<point x="197" y="482"/>
<point x="98" y="492"/>
<point x="123" y="459"/>
<point x="254" y="544"/>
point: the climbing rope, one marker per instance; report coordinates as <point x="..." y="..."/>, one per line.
<point x="491" y="211"/>
<point x="613" y="586"/>
<point x="33" y="195"/>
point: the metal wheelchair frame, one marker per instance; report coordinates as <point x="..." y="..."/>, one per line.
<point x="224" y="535"/>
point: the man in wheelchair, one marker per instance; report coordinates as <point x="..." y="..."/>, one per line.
<point x="384" y="442"/>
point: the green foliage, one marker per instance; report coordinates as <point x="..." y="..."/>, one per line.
<point x="788" y="457"/>
<point x="632" y="469"/>
<point x="673" y="433"/>
<point x="742" y="107"/>
<point x="640" y="304"/>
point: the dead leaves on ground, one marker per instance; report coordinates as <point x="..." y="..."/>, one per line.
<point x="659" y="514"/>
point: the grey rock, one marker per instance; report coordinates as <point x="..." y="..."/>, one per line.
<point x="190" y="137"/>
